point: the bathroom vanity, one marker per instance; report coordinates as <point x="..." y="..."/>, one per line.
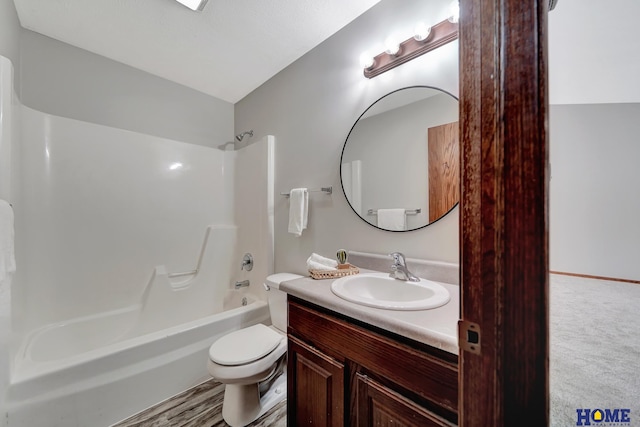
<point x="350" y="365"/>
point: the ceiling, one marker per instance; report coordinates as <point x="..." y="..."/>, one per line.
<point x="226" y="51"/>
<point x="234" y="46"/>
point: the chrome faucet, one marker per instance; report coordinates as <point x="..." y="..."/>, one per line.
<point x="399" y="269"/>
<point x="242" y="284"/>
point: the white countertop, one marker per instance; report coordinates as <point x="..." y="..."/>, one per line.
<point x="436" y="327"/>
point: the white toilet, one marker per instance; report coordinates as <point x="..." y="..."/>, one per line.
<point x="251" y="361"/>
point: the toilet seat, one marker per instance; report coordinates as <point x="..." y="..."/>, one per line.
<point x="257" y="370"/>
<point x="244" y="346"/>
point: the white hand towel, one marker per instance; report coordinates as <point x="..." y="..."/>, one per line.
<point x="392" y="219"/>
<point x="7" y="257"/>
<point x="298" y="210"/>
<point x="312" y="265"/>
<point x="320" y="260"/>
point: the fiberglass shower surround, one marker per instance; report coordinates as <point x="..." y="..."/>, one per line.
<point x="103" y="328"/>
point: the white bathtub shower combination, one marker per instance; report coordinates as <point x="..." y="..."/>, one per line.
<point x="128" y="247"/>
<point x="101" y="386"/>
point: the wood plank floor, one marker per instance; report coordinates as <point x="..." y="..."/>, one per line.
<point x="200" y="406"/>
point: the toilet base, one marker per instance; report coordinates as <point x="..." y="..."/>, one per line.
<point x="276" y="394"/>
<point x="242" y="403"/>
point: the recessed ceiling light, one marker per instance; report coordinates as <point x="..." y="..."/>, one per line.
<point x="193" y="4"/>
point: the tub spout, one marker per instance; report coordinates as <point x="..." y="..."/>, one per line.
<point x="241" y="284"/>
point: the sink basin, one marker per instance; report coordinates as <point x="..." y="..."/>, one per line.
<point x="381" y="291"/>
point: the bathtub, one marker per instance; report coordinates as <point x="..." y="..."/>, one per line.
<point x="90" y="372"/>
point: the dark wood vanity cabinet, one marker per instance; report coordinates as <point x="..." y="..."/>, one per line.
<point x="317" y="384"/>
<point x="342" y="372"/>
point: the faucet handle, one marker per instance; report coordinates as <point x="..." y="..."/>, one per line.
<point x="398" y="258"/>
<point x="247" y="262"/>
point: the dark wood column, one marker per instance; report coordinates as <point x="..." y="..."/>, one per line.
<point x="504" y="219"/>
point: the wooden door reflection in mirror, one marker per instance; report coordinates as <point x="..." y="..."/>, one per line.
<point x="443" y="168"/>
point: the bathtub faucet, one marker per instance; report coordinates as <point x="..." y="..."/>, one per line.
<point x="241" y="284"/>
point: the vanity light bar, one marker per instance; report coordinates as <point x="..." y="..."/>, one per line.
<point x="440" y="34"/>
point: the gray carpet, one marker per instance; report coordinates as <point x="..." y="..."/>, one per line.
<point x="594" y="359"/>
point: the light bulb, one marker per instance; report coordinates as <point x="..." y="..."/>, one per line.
<point x="421" y="32"/>
<point x="454" y="9"/>
<point x="195" y="5"/>
<point x="392" y="46"/>
<point x="366" y="60"/>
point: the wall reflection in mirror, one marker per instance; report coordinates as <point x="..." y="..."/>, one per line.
<point x="400" y="161"/>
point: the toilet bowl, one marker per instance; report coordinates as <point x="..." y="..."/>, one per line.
<point x="251" y="362"/>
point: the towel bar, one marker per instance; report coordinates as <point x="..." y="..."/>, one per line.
<point x="327" y="190"/>
<point x="407" y="212"/>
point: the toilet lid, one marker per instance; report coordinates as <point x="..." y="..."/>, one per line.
<point x="245" y="345"/>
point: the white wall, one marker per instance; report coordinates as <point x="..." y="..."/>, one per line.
<point x="595" y="182"/>
<point x="310" y="107"/>
<point x="593" y="52"/>
<point x="66" y="81"/>
<point x="593" y="124"/>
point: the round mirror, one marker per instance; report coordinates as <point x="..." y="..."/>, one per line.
<point x="400" y="164"/>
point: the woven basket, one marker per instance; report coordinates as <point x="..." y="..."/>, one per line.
<point x="334" y="274"/>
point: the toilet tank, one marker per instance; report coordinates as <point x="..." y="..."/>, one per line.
<point x="278" y="299"/>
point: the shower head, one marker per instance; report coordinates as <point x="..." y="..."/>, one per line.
<point x="240" y="136"/>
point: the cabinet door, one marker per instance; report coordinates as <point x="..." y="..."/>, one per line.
<point x="315" y="387"/>
<point x="379" y="406"/>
